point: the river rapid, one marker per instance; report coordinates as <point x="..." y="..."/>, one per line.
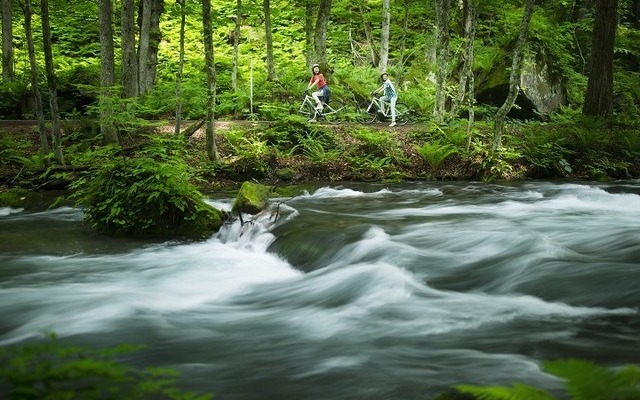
<point x="356" y="291"/>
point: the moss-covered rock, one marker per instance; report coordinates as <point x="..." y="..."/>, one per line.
<point x="206" y="221"/>
<point x="252" y="198"/>
<point x="19" y="198"/>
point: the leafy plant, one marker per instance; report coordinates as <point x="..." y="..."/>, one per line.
<point x="435" y="152"/>
<point x="48" y="370"/>
<point x="584" y="380"/>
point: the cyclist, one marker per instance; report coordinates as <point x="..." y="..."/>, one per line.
<point x="317" y="79"/>
<point x="390" y="95"/>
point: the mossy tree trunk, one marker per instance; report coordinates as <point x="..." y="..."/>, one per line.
<point x="37" y="96"/>
<point x="442" y="58"/>
<point x="183" y="20"/>
<point x="8" y="72"/>
<point x="320" y="38"/>
<point x="308" y="33"/>
<point x="129" y="61"/>
<point x="107" y="73"/>
<point x="236" y="45"/>
<point x="384" y="37"/>
<point x="271" y="70"/>
<point x="514" y="77"/>
<point x="51" y="82"/>
<point x="210" y="132"/>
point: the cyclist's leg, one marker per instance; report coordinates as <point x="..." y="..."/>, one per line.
<point x="393" y="101"/>
<point x="383" y="101"/>
<point x="316" y="96"/>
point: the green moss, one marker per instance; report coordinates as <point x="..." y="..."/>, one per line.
<point x="252" y="198"/>
<point x="18" y="197"/>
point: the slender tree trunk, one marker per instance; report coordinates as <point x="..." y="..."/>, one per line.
<point x="129" y="62"/>
<point x="107" y="73"/>
<point x="308" y="33"/>
<point x="236" y="45"/>
<point x="155" y="37"/>
<point x="143" y="46"/>
<point x="271" y="70"/>
<point x="514" y="77"/>
<point x="384" y="37"/>
<point x="37" y="96"/>
<point x="442" y="56"/>
<point x="320" y="38"/>
<point x="466" y="55"/>
<point x="8" y="73"/>
<point x="56" y="135"/>
<point x="403" y="42"/>
<point x="210" y="131"/>
<point x="183" y="17"/>
<point x="598" y="100"/>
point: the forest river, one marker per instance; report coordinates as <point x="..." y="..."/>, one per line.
<point x="352" y="291"/>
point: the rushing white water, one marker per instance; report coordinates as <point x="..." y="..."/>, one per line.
<point x="360" y="291"/>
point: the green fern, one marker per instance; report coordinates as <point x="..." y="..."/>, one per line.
<point x="584" y="380"/>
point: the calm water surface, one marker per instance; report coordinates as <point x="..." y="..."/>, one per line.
<point x="354" y="292"/>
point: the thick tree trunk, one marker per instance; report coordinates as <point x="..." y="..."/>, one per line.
<point x="320" y="38"/>
<point x="210" y="132"/>
<point x="308" y="33"/>
<point x="8" y="73"/>
<point x="442" y="57"/>
<point x="37" y="96"/>
<point x="598" y="100"/>
<point x="155" y="38"/>
<point x="403" y="42"/>
<point x="143" y="47"/>
<point x="236" y="45"/>
<point x="129" y="62"/>
<point x="384" y="36"/>
<point x="183" y="18"/>
<point x="271" y="70"/>
<point x="514" y="77"/>
<point x="107" y="73"/>
<point x="56" y="135"/>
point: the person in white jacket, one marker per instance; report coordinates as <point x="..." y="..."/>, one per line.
<point x="390" y="95"/>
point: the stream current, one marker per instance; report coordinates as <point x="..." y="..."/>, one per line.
<point x="353" y="291"/>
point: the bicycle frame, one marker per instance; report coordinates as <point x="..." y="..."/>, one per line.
<point x="308" y="107"/>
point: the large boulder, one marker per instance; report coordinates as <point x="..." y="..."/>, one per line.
<point x="542" y="90"/>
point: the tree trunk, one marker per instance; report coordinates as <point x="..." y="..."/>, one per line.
<point x="149" y="43"/>
<point x="403" y="42"/>
<point x="51" y="82"/>
<point x="129" y="62"/>
<point x="384" y="37"/>
<point x="308" y="33"/>
<point x="442" y="57"/>
<point x="324" y="12"/>
<point x="8" y="73"/>
<point x="236" y="45"/>
<point x="37" y="96"/>
<point x="271" y="71"/>
<point x="466" y="56"/>
<point x="514" y="77"/>
<point x="598" y="100"/>
<point x="183" y="18"/>
<point x="210" y="131"/>
<point x="107" y="73"/>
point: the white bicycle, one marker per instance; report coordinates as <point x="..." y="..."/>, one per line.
<point x="330" y="112"/>
<point x="370" y="111"/>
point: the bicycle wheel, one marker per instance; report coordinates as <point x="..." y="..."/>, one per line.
<point x="366" y="113"/>
<point x="403" y="114"/>
<point x="333" y="112"/>
<point x="307" y="110"/>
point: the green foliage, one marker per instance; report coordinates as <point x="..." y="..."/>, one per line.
<point x="583" y="380"/>
<point x="49" y="370"/>
<point x="435" y="152"/>
<point x="502" y="164"/>
<point x="147" y="194"/>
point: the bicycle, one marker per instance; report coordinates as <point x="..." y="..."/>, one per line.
<point x="368" y="112"/>
<point x="330" y="112"/>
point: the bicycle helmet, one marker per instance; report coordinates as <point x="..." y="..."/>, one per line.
<point x="315" y="65"/>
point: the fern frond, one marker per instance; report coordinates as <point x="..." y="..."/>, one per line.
<point x="517" y="392"/>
